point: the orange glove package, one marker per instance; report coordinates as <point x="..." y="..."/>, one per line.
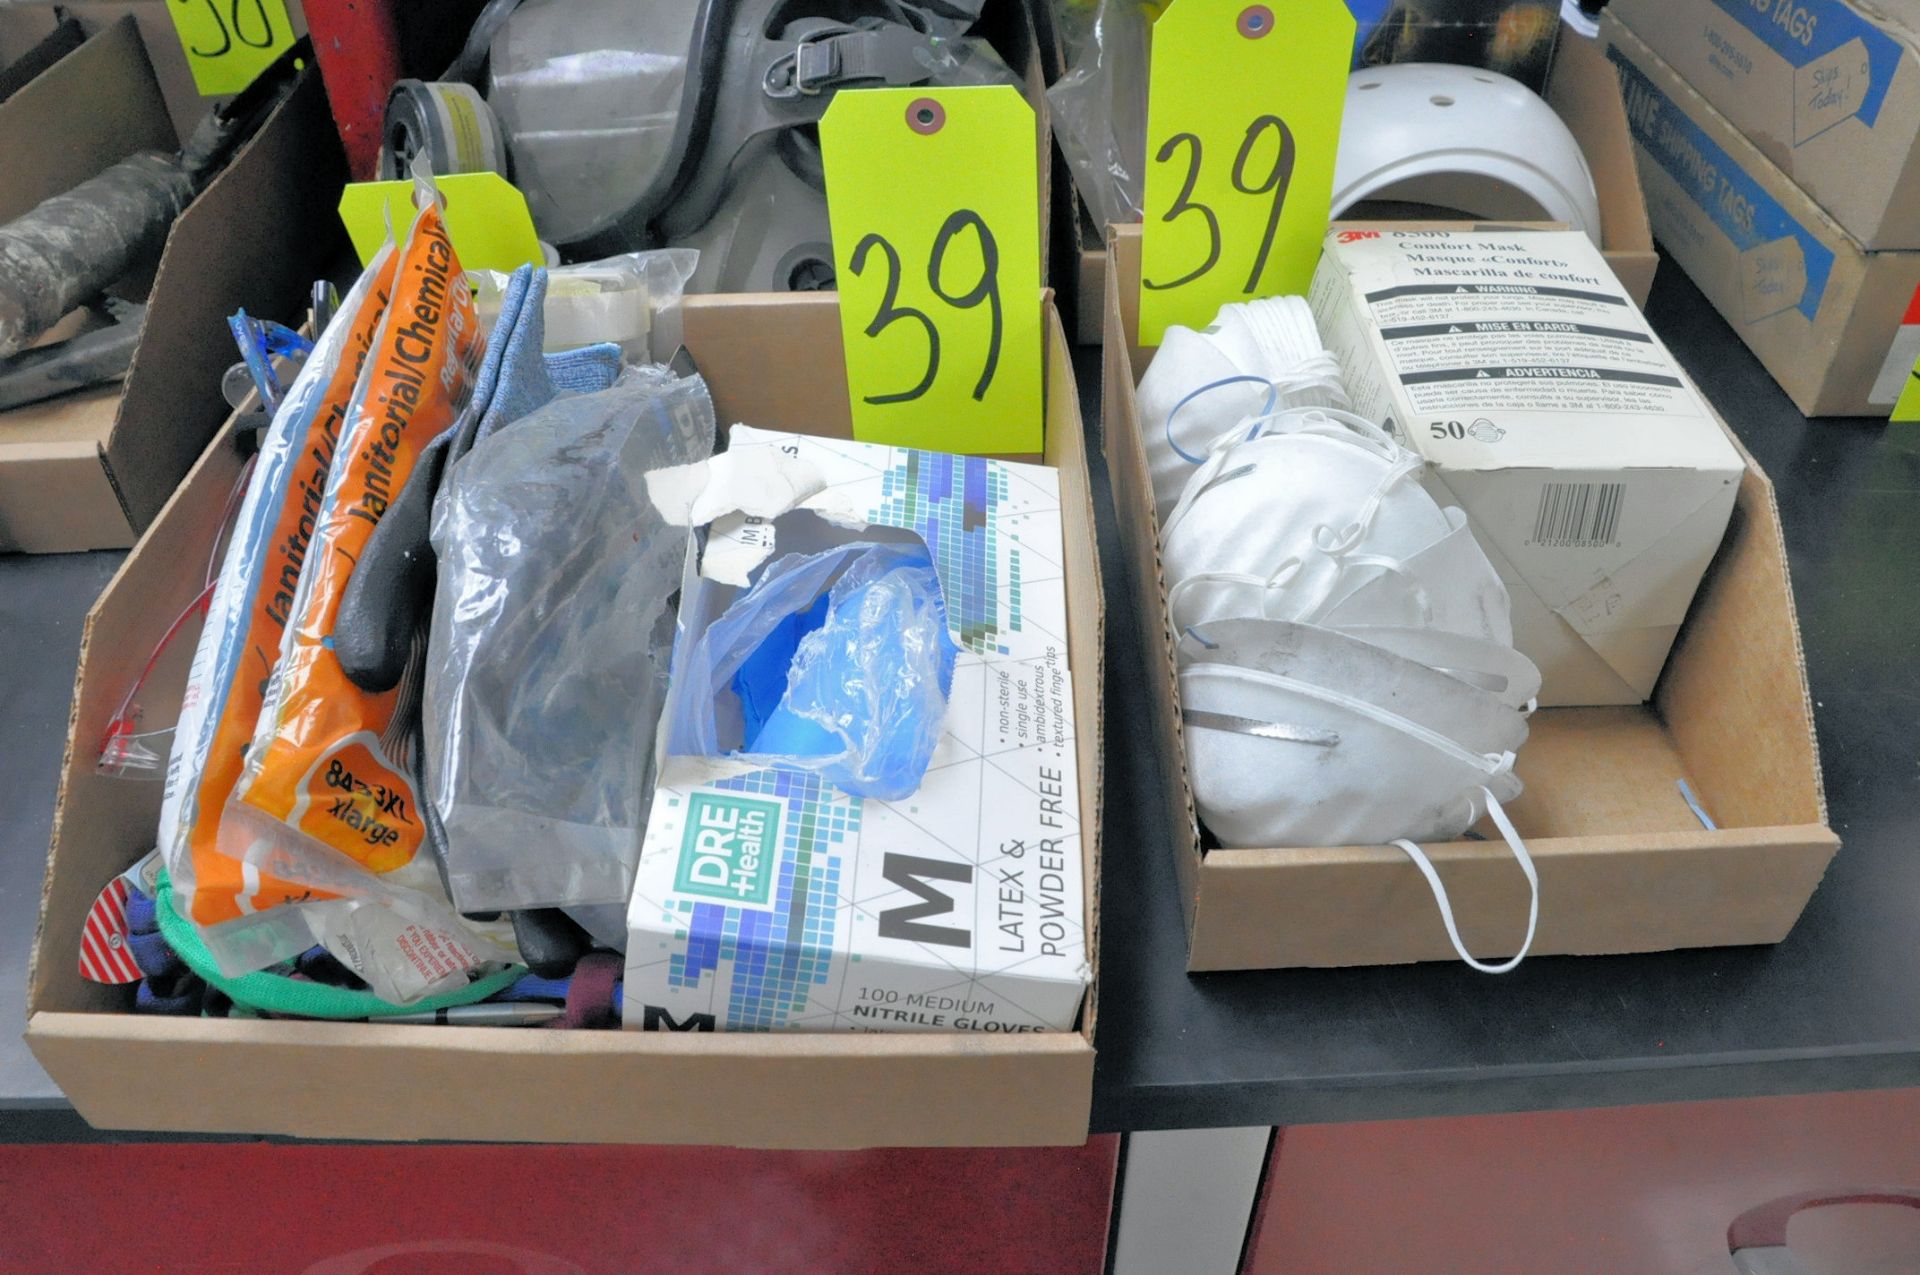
<point x="247" y="615"/>
<point x="325" y="814"/>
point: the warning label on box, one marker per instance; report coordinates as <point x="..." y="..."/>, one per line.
<point x="1458" y="345"/>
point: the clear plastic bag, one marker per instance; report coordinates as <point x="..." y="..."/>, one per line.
<point x="839" y="662"/>
<point x="552" y="632"/>
<point x="615" y="299"/>
<point x="1100" y="106"/>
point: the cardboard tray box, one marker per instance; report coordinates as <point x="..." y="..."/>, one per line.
<point x="90" y="470"/>
<point x="1828" y="90"/>
<point x="772" y="360"/>
<point x="1837" y="325"/>
<point x="1624" y="864"/>
<point x="1585" y="92"/>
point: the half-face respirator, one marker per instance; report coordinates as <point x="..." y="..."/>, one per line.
<point x="683" y="123"/>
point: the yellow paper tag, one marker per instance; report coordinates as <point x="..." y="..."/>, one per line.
<point x="487" y="219"/>
<point x="934" y="200"/>
<point x="229" y="42"/>
<point x="1243" y="126"/>
<point x="1908" y="406"/>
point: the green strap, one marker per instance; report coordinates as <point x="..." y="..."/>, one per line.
<point x="278" y="994"/>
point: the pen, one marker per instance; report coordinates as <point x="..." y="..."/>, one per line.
<point x="503" y="1015"/>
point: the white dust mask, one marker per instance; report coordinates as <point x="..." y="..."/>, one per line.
<point x="1278" y="763"/>
<point x="1449" y="584"/>
<point x="1268" y="525"/>
<point x="1476" y="719"/>
<point x="1490" y="665"/>
<point x="1254" y="358"/>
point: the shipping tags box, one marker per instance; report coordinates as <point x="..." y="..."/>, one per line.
<point x="91" y="469"/>
<point x="1828" y="90"/>
<point x="1593" y="474"/>
<point x="776" y="360"/>
<point x="1585" y="94"/>
<point x="769" y="899"/>
<point x="1625" y="864"/>
<point x="1823" y="314"/>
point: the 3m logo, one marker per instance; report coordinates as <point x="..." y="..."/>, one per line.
<point x="1348" y="236"/>
<point x="728" y="848"/>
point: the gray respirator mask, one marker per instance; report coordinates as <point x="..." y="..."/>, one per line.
<point x="683" y="123"/>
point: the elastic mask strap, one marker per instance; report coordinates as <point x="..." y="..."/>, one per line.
<point x="1387" y="566"/>
<point x="1202" y="479"/>
<point x="1265" y="584"/>
<point x="1356" y="429"/>
<point x="1265" y="408"/>
<point x="1406" y="463"/>
<point x="1519" y="849"/>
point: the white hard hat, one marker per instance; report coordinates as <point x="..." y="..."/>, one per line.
<point x="1460" y="137"/>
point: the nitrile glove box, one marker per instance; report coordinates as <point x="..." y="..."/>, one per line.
<point x="1593" y="474"/>
<point x="769" y="899"/>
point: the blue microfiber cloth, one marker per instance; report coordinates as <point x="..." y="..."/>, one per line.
<point x="390" y="593"/>
<point x="515" y="376"/>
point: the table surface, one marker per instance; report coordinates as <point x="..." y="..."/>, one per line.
<point x="1836" y="1006"/>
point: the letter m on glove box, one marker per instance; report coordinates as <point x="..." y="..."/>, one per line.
<point x="910" y="920"/>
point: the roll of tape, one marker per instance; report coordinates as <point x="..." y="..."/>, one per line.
<point x="451" y="124"/>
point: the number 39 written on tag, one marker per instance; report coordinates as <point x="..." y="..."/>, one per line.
<point x="1243" y="126"/>
<point x="986" y="288"/>
<point x="933" y="197"/>
<point x="1279" y="175"/>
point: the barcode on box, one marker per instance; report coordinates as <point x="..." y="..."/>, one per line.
<point x="1578" y="515"/>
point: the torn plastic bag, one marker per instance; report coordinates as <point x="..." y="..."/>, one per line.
<point x="1099" y="107"/>
<point x="552" y="633"/>
<point x="840" y="662"/>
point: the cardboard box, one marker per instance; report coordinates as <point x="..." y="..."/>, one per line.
<point x="1828" y="90"/>
<point x="90" y="470"/>
<point x="768" y="898"/>
<point x="1823" y="314"/>
<point x="775" y="360"/>
<point x="1585" y="93"/>
<point x="1594" y="476"/>
<point x="1625" y="866"/>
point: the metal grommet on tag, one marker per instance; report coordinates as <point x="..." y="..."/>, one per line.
<point x="1255" y="20"/>
<point x="926" y="116"/>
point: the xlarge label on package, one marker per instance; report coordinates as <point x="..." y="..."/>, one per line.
<point x="767" y="898"/>
<point x="1593" y="474"/>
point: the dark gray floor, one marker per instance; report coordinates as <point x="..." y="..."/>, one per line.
<point x="43" y="601"/>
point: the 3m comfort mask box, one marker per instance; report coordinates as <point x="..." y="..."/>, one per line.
<point x="770" y="898"/>
<point x="1593" y="474"/>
